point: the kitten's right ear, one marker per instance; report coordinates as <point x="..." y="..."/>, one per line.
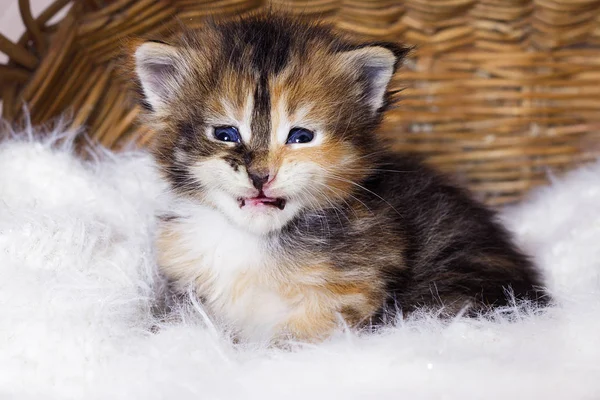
<point x="157" y="67"/>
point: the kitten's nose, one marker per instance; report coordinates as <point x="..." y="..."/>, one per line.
<point x="258" y="180"/>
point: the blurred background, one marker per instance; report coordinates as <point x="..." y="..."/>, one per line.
<point x="501" y="93"/>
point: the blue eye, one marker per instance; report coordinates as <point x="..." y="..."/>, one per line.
<point x="227" y="134"/>
<point x="300" y="135"/>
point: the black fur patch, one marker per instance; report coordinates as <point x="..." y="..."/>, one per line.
<point x="269" y="41"/>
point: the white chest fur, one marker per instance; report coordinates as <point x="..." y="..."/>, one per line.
<point x="231" y="269"/>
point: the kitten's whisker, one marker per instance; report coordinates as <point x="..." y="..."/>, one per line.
<point x="365" y="189"/>
<point x="333" y="207"/>
<point x="341" y="197"/>
<point x="315" y="204"/>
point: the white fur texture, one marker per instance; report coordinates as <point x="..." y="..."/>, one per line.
<point x="77" y="280"/>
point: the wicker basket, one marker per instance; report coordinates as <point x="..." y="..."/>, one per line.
<point x="498" y="91"/>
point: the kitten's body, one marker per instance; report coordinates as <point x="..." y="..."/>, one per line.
<point x="291" y="217"/>
<point x="409" y="239"/>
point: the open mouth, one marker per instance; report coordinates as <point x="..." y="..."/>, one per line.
<point x="262" y="200"/>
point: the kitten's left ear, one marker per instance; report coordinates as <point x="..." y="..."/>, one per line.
<point x="375" y="65"/>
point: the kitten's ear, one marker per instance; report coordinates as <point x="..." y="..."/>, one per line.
<point x="375" y="65"/>
<point x="156" y="65"/>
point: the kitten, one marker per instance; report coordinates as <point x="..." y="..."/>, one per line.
<point x="289" y="216"/>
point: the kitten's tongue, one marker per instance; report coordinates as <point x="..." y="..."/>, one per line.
<point x="262" y="200"/>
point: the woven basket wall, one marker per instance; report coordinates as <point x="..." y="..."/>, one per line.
<point x="498" y="91"/>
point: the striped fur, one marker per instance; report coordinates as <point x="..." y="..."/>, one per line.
<point x="362" y="233"/>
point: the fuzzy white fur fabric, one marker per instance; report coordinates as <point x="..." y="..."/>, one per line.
<point x="77" y="281"/>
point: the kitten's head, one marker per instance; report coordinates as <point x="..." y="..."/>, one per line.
<point x="265" y="116"/>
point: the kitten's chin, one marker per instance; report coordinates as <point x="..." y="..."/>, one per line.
<point x="255" y="216"/>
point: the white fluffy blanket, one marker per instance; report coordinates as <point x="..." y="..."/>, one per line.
<point x="77" y="280"/>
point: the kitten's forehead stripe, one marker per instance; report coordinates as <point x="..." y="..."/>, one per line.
<point x="261" y="115"/>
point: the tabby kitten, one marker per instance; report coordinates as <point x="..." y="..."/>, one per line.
<point x="289" y="216"/>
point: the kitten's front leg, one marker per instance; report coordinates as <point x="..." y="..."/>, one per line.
<point x="313" y="319"/>
<point x="325" y="299"/>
